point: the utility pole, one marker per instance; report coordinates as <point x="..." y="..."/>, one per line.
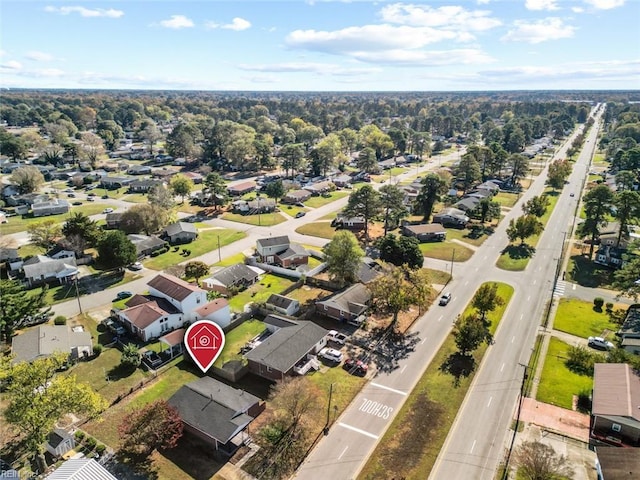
<point x="78" y="293"/>
<point x="219" y="253"/>
<point x="453" y="256"/>
<point x="326" y="427"/>
<point x="505" y="474"/>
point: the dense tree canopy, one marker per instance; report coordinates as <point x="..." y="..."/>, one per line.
<point x="343" y="255"/>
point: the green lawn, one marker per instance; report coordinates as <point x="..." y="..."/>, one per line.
<point x="292" y="210"/>
<point x="475" y="236"/>
<point x="260" y="292"/>
<point x="237" y="338"/>
<point x="232" y="260"/>
<point x="317" y="229"/>
<point x="506" y="199"/>
<point x="425" y="419"/>
<point x="516" y="257"/>
<point x="264" y="219"/>
<point x="587" y="273"/>
<point x="319" y="201"/>
<point x="136" y="198"/>
<point x="345" y="387"/>
<point x="20" y="224"/>
<point x="99" y="280"/>
<point x="579" y="318"/>
<point x="558" y="384"/>
<point x="206" y="242"/>
<point x="446" y="251"/>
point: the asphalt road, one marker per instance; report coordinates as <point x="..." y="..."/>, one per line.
<point x="475" y="444"/>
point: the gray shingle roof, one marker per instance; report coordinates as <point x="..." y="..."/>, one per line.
<point x="272" y="241"/>
<point x="46" y="340"/>
<point x="292" y="251"/>
<point x="233" y="274"/>
<point x="179" y="227"/>
<point x="353" y="299"/>
<point x="41" y="265"/>
<point x="279" y="301"/>
<point x="214" y="408"/>
<point x="286" y="346"/>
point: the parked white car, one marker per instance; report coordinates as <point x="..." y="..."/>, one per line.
<point x="601" y="343"/>
<point x="331" y="354"/>
<point x="337" y="337"/>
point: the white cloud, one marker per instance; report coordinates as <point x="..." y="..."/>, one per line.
<point x="86" y="12"/>
<point x="308" y="67"/>
<point x="541" y="5"/>
<point x="236" y="24"/>
<point x="577" y="9"/>
<point x="39" y="56"/>
<point x="419" y="58"/>
<point x="177" y="22"/>
<point x="2" y="53"/>
<point x="605" y="4"/>
<point x="11" y="65"/>
<point x="448" y="17"/>
<point x="551" y="28"/>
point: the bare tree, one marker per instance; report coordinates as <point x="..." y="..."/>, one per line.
<point x="539" y="461"/>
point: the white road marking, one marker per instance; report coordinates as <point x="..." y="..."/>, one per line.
<point x="502" y="367"/>
<point x="343" y="451"/>
<point x="423" y="340"/>
<point x="574" y="286"/>
<point x="534" y="282"/>
<point x="403" y="369"/>
<point x="466" y="283"/>
<point x="440" y="318"/>
<point x="359" y="430"/>
<point x="485" y="257"/>
<point x="529" y="298"/>
<point x="389" y="388"/>
<point x="473" y="446"/>
<point x="521" y="316"/>
<point x="514" y="337"/>
<point x="490" y="398"/>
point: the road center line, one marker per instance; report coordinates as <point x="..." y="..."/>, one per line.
<point x="514" y="337"/>
<point x="529" y="298"/>
<point x="423" y="340"/>
<point x="473" y="446"/>
<point x="440" y="318"/>
<point x="490" y="398"/>
<point x="521" y="316"/>
<point x="466" y="283"/>
<point x="359" y="430"/>
<point x="389" y="388"/>
<point x="403" y="369"/>
<point x="502" y="367"/>
<point x="343" y="451"/>
<point x="534" y="282"/>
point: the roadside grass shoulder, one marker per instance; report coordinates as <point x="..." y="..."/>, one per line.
<point x="263" y="219"/>
<point x="578" y="317"/>
<point x="425" y="419"/>
<point x="558" y="384"/>
<point x="18" y="223"/>
<point x="315" y="202"/>
<point x="317" y="229"/>
<point x="446" y="250"/>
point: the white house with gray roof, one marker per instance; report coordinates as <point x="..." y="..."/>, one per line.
<point x="45" y="340"/>
<point x="41" y="269"/>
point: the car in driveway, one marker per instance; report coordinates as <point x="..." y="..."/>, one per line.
<point x="135" y="266"/>
<point x="445" y="299"/>
<point x="124" y="294"/>
<point x="115" y="328"/>
<point x="331" y="354"/>
<point x="600" y="343"/>
<point x="355" y="367"/>
<point x="108" y="210"/>
<point x="337" y="337"/>
<point x="300" y="214"/>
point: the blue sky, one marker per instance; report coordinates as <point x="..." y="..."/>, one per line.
<point x="321" y="45"/>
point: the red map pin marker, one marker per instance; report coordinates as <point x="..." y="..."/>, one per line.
<point x="204" y="341"/>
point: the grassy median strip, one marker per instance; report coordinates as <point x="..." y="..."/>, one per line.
<point x="411" y="445"/>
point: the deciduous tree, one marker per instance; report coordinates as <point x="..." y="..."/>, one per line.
<point x="365" y="203"/>
<point x="523" y="228"/>
<point x="343" y="255"/>
<point x="28" y="179"/>
<point x="625" y="279"/>
<point x="392" y="200"/>
<point x="197" y="270"/>
<point x="44" y="234"/>
<point x="156" y="426"/>
<point x="539" y="461"/>
<point x="487" y="299"/>
<point x="144" y="218"/>
<point x="38" y="397"/>
<point x="181" y="185"/>
<point x="215" y="190"/>
<point x="536" y="206"/>
<point x="91" y="147"/>
<point x="469" y="332"/>
<point x="276" y="190"/>
<point x="559" y="171"/>
<point x="161" y="196"/>
<point x="115" y="250"/>
<point x="627" y="210"/>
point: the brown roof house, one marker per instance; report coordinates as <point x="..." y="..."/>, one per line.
<point x="241" y="188"/>
<point x="615" y="409"/>
<point x="171" y="304"/>
<point x="617" y="463"/>
<point x="296" y="196"/>
<point x="287" y="347"/>
<point x="279" y="251"/>
<point x="426" y="232"/>
<point x="45" y="340"/>
<point x="216" y="413"/>
<point x="346" y="305"/>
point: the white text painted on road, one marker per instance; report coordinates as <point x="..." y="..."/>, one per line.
<point x="376" y="409"/>
<point x="359" y="430"/>
<point x="374" y="384"/>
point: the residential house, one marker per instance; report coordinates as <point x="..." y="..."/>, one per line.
<point x="170" y="304"/>
<point x="113" y="220"/>
<point x="45" y="340"/>
<point x="195" y="177"/>
<point x="234" y="277"/>
<point x="608" y="236"/>
<point x="345" y="305"/>
<point x="351" y="223"/>
<point x="180" y="232"/>
<point x="55" y="206"/>
<point x="80" y="469"/>
<point x="292" y="257"/>
<point x="113" y="183"/>
<point x="617" y="463"/>
<point x="241" y="188"/>
<point x="164" y="173"/>
<point x="143" y="186"/>
<point x="146" y="244"/>
<point x="467" y="204"/>
<point x="267" y="248"/>
<point x="261" y="205"/>
<point x="368" y="270"/>
<point x="296" y="196"/>
<point x="426" y="232"/>
<point x="217" y="310"/>
<point x="451" y="217"/>
<point x="282" y="304"/>
<point x="216" y="413"/>
<point x="615" y="416"/>
<point x="41" y="269"/>
<point x="610" y="256"/>
<point x="57" y="252"/>
<point x="630" y="330"/>
<point x="139" y="170"/>
<point x="387" y="164"/>
<point x="342" y="181"/>
<point x="9" y="254"/>
<point x="320" y="187"/>
<point x="289" y="349"/>
<point x="59" y="442"/>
